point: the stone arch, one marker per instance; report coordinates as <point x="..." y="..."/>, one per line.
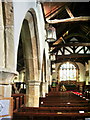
<point x="32" y="24"/>
<point x="30" y="34"/>
<point x="77" y="68"/>
<point x="34" y="20"/>
<point x="27" y="46"/>
<point x="30" y="41"/>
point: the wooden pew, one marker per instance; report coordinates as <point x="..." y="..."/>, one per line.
<point x="49" y="111"/>
<point x="56" y="102"/>
<point x="64" y="104"/>
<point x="54" y="109"/>
<point x="36" y="113"/>
<point x="46" y="116"/>
<point x="19" y="100"/>
<point x="64" y="100"/>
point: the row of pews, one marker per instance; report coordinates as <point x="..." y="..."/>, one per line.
<point x="57" y="106"/>
<point x="61" y="99"/>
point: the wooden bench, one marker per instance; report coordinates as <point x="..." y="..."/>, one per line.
<point x="64" y="104"/>
<point x="19" y="100"/>
<point x="46" y="116"/>
<point x="63" y="100"/>
<point x="54" y="109"/>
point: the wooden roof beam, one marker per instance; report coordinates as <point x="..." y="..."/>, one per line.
<point x="75" y="19"/>
<point x="54" y="14"/>
<point x="69" y="12"/>
<point x="73" y="56"/>
<point x="57" y="47"/>
<point x="83" y="60"/>
<point x="71" y="44"/>
<point x="59" y="41"/>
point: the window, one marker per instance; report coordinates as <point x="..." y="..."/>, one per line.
<point x="67" y="72"/>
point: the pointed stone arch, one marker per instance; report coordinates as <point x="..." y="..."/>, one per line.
<point x="30" y="43"/>
<point x="31" y="18"/>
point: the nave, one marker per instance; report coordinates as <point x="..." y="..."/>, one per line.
<point x="44" y="44"/>
<point x="57" y="105"/>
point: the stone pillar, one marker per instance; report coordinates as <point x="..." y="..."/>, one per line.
<point x="7" y="61"/>
<point x="6" y="101"/>
<point x="43" y="89"/>
<point x="81" y="88"/>
<point x="89" y="70"/>
<point x="8" y="35"/>
<point x="2" y="49"/>
<point x="46" y="87"/>
<point x="86" y="73"/>
<point x="87" y="79"/>
<point x="5" y="83"/>
<point x="32" y="93"/>
<point x="48" y="66"/>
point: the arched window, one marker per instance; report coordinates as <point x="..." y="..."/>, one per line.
<point x="67" y="71"/>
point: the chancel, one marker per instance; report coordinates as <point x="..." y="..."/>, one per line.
<point x="44" y="60"/>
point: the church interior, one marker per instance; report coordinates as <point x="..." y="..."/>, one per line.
<point x="45" y="60"/>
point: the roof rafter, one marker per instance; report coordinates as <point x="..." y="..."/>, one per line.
<point x="72" y="56"/>
<point x="75" y="19"/>
<point x="69" y="11"/>
<point x="71" y="44"/>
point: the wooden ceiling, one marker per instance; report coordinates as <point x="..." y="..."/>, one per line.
<point x="73" y="30"/>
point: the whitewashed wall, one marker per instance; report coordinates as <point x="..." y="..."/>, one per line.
<point x="82" y="72"/>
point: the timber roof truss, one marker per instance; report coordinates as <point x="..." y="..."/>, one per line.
<point x="72" y="23"/>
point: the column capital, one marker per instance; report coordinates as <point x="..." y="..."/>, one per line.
<point x="6" y="76"/>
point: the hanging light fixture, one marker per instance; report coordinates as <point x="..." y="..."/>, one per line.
<point x="50" y="33"/>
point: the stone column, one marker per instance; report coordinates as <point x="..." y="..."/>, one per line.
<point x="81" y="88"/>
<point x="32" y="93"/>
<point x="2" y="48"/>
<point x="5" y="83"/>
<point x="89" y="70"/>
<point x="47" y="83"/>
<point x="8" y="35"/>
<point x="46" y="87"/>
<point x="6" y="101"/>
<point x="43" y="89"/>
<point x="7" y="53"/>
